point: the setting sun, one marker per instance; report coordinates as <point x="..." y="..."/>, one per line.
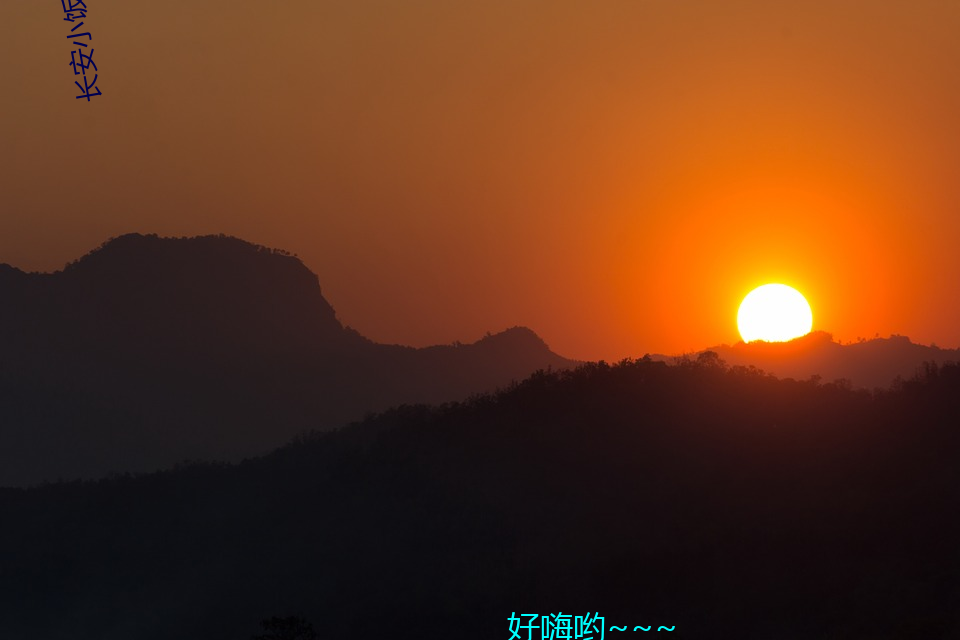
<point x="774" y="313"/>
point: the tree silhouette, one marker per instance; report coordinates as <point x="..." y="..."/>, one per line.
<point x="716" y="497"/>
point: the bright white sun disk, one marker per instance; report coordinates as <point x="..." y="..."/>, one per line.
<point x="774" y="313"/>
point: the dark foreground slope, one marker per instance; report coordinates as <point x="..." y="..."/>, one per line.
<point x="149" y="351"/>
<point x="719" y="501"/>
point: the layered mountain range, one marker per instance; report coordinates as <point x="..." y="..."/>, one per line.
<point x="149" y="351"/>
<point x="869" y="364"/>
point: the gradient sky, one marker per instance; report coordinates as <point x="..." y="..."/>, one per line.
<point x="616" y="175"/>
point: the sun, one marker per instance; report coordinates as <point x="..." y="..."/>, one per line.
<point x="774" y="313"/>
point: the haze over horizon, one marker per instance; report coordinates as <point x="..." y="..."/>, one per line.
<point x="616" y="175"/>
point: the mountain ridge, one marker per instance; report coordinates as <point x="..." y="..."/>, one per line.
<point x="870" y="364"/>
<point x="150" y="350"/>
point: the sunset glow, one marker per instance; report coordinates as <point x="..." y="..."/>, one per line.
<point x="331" y="319"/>
<point x="611" y="177"/>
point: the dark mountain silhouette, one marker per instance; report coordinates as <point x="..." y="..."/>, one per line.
<point x="869" y="364"/>
<point x="716" y="500"/>
<point x="150" y="350"/>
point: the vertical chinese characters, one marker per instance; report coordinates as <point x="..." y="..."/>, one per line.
<point x="80" y="60"/>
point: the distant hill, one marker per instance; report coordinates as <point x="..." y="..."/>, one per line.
<point x="867" y="364"/>
<point x="717" y="501"/>
<point x="148" y="351"/>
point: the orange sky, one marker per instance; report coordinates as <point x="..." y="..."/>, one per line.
<point x="616" y="175"/>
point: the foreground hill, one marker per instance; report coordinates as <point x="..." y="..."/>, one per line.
<point x="152" y="350"/>
<point x="722" y="502"/>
